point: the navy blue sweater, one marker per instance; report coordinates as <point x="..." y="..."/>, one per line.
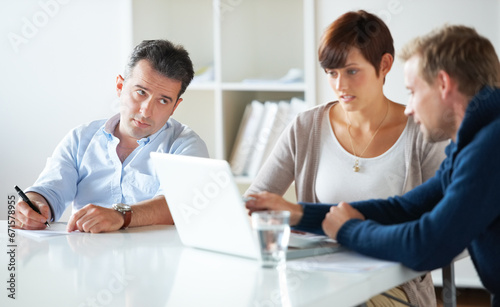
<point x="456" y="209"/>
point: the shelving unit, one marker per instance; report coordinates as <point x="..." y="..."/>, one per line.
<point x="252" y="39"/>
<point x="256" y="39"/>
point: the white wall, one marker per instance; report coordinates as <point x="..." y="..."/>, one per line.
<point x="62" y="71"/>
<point x="407" y="19"/>
<point x="58" y="62"/>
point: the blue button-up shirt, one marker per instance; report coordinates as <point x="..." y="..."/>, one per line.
<point x="85" y="168"/>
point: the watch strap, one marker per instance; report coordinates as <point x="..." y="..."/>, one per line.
<point x="127" y="215"/>
<point x="126" y="211"/>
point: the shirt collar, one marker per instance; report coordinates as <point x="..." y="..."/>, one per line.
<point x="110" y="126"/>
<point x="154" y="135"/>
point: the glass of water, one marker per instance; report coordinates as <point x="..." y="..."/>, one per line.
<point x="273" y="233"/>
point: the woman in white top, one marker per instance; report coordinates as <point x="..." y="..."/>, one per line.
<point x="361" y="146"/>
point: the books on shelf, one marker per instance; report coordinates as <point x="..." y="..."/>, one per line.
<point x="245" y="137"/>
<point x="260" y="128"/>
<point x="262" y="136"/>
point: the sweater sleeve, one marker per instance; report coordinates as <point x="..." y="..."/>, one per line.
<point x="466" y="210"/>
<point x="390" y="211"/>
<point x="314" y="214"/>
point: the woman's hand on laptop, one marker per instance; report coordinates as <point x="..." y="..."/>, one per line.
<point x="270" y="201"/>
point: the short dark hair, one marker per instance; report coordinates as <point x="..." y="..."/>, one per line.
<point x="360" y="30"/>
<point x="172" y="61"/>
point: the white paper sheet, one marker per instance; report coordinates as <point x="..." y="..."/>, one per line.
<point x="56" y="229"/>
<point x="345" y="261"/>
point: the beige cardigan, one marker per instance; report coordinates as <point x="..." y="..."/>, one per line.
<point x="295" y="158"/>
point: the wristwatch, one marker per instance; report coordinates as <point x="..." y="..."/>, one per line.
<point x="126" y="210"/>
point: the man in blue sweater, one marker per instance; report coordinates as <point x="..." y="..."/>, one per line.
<point x="453" y="76"/>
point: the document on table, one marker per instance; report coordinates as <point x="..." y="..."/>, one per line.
<point x="344" y="261"/>
<point x="56" y="229"/>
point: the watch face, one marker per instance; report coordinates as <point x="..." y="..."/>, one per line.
<point x="121" y="207"/>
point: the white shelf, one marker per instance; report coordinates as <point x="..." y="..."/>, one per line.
<point x="264" y="86"/>
<point x="240" y="40"/>
<point x="202" y="86"/>
<point x="251" y="87"/>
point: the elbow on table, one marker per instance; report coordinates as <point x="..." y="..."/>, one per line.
<point x="427" y="260"/>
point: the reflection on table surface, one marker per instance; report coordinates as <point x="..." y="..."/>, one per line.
<point x="149" y="266"/>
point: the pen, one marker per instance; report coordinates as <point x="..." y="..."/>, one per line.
<point x="28" y="201"/>
<point x="245" y="199"/>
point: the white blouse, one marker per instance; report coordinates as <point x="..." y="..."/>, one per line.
<point x="378" y="177"/>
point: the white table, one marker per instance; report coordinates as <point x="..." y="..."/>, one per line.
<point x="149" y="266"/>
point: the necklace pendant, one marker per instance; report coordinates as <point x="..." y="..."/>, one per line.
<point x="356" y="168"/>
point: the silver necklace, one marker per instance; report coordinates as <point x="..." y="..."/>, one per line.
<point x="356" y="168"/>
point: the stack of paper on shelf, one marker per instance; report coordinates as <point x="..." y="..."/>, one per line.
<point x="259" y="130"/>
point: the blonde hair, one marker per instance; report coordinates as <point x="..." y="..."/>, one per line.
<point x="468" y="57"/>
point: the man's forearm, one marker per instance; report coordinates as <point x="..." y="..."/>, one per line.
<point x="154" y="211"/>
<point x="312" y="217"/>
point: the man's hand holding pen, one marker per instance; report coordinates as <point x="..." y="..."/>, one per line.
<point x="27" y="218"/>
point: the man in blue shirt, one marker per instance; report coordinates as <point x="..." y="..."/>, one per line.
<point x="453" y="76"/>
<point x="103" y="168"/>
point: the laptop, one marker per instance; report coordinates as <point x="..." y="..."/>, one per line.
<point x="209" y="212"/>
